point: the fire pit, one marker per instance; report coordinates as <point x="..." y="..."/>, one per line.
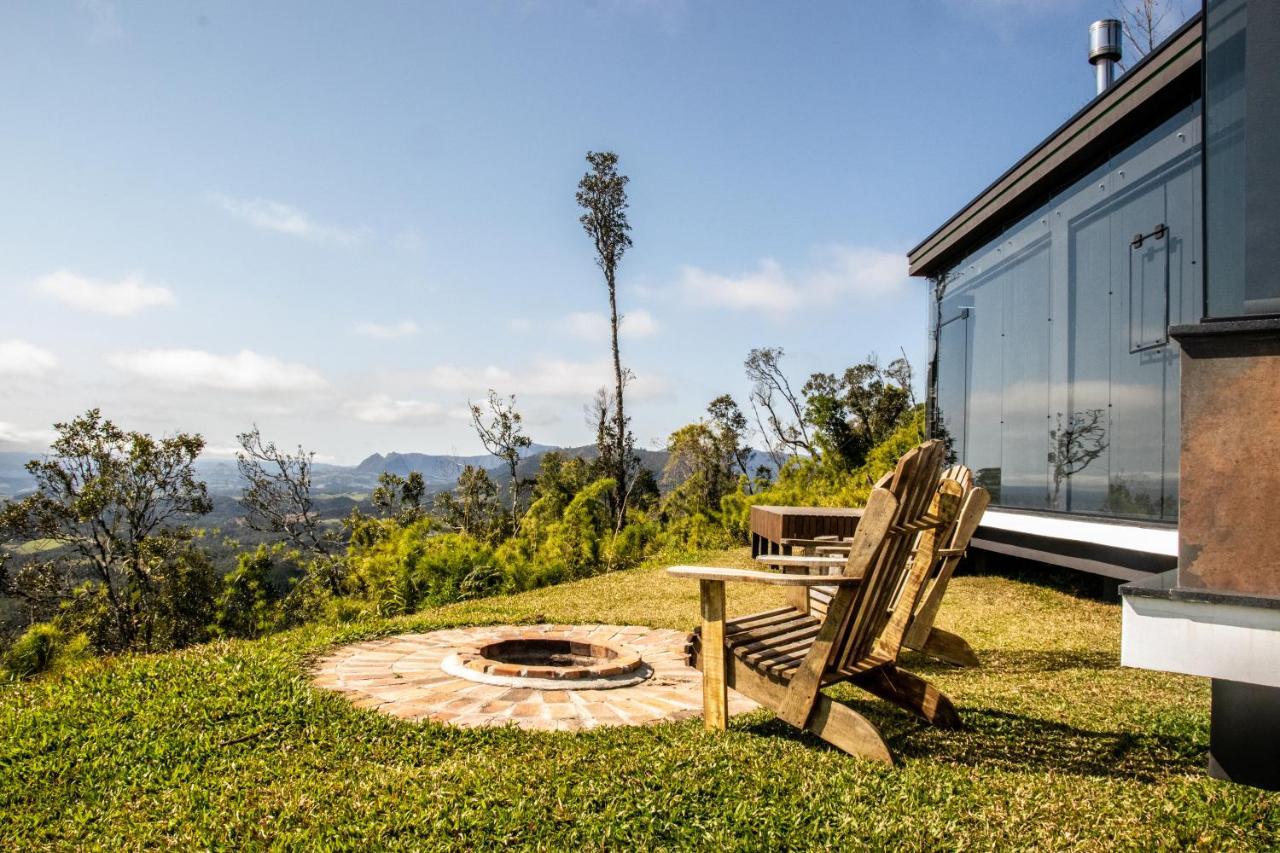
<point x="538" y="660"/>
<point x="452" y="676"/>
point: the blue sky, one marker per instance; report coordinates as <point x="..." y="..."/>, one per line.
<point x="341" y="221"/>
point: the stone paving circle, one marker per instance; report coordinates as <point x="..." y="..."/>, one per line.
<point x="402" y="676"/>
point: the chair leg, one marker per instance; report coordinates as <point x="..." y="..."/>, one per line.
<point x="911" y="693"/>
<point x="846" y="729"/>
<point x="948" y="648"/>
<point x="837" y="724"/>
<point x="715" y="698"/>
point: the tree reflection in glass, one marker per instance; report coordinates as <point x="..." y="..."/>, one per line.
<point x="1076" y="442"/>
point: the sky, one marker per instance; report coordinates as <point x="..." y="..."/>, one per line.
<point x="342" y="221"/>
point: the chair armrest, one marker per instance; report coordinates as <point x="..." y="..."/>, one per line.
<point x="706" y="573"/>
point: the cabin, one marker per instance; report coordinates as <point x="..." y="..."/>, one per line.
<point x="1105" y="356"/>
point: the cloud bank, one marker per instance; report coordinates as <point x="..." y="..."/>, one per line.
<point x="191" y="370"/>
<point x="842" y="273"/>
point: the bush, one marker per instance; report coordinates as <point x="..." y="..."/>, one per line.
<point x="246" y="605"/>
<point x="45" y="647"/>
<point x="414" y="566"/>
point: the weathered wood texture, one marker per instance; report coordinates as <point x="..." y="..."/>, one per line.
<point x="715" y="700"/>
<point x="783" y="658"/>
<point x="772" y="525"/>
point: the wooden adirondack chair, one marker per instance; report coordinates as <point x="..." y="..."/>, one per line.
<point x="783" y="658"/>
<point x="922" y="635"/>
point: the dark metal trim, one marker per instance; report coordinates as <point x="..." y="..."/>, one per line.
<point x="1161" y="74"/>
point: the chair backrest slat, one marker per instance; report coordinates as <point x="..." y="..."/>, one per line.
<point x="913" y="483"/>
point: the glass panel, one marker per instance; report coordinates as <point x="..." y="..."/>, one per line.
<point x="1136" y="430"/>
<point x="1079" y="435"/>
<point x="1224" y="155"/>
<point x="953" y="381"/>
<point x="1077" y="418"/>
<point x="1024" y="460"/>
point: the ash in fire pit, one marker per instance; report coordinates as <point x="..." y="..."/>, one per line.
<point x="538" y="660"/>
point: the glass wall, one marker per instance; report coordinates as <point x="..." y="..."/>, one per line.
<point x="1242" y="158"/>
<point x="1057" y="382"/>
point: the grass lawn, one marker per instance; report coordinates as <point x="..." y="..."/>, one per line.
<point x="228" y="745"/>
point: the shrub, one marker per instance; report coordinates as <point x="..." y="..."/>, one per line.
<point x="245" y="607"/>
<point x="415" y="566"/>
<point x="45" y="647"/>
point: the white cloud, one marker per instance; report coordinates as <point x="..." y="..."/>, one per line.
<point x="246" y="371"/>
<point x="14" y="434"/>
<point x="545" y="377"/>
<point x="281" y="218"/>
<point x="19" y="358"/>
<point x="519" y="324"/>
<point x="118" y="299"/>
<point x="843" y="273"/>
<point x="387" y="331"/>
<point x="594" y="326"/>
<point x="383" y="409"/>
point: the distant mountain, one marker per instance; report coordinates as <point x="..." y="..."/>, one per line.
<point x="436" y="469"/>
<point x="439" y="470"/>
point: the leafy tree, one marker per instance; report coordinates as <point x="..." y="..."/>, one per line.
<point x="116" y="503"/>
<point x="277" y="494"/>
<point x="694" y="470"/>
<point x="501" y="432"/>
<point x="472" y="508"/>
<point x="602" y="193"/>
<point x="245" y="606"/>
<point x="559" y="478"/>
<point x="398" y="497"/>
<point x="729" y="426"/>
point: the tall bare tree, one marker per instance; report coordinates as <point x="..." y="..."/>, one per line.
<point x="602" y="194"/>
<point x="501" y="431"/>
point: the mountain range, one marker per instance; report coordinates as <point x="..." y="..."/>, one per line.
<point x="440" y="471"/>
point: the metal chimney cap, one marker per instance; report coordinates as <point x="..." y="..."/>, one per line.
<point x="1105" y="40"/>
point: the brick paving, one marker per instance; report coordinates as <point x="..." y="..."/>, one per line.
<point x="401" y="676"/>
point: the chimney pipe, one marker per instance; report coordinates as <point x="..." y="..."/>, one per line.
<point x="1105" y="49"/>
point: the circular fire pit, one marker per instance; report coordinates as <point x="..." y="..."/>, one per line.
<point x="538" y="660"/>
<point x="421" y="677"/>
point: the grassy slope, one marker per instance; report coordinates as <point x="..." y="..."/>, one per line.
<point x="227" y="744"/>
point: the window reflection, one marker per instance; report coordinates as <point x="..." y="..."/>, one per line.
<point x="1078" y="412"/>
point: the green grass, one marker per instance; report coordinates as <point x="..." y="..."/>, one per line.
<point x="228" y="745"/>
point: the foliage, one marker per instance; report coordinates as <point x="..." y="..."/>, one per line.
<point x="246" y="604"/>
<point x="399" y="497"/>
<point x="277" y="493"/>
<point x="808" y="482"/>
<point x="44" y="648"/>
<point x="472" y="508"/>
<point x="229" y="745"/>
<point x="115" y="502"/>
<point x="501" y="432"/>
<point x="415" y="566"/>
